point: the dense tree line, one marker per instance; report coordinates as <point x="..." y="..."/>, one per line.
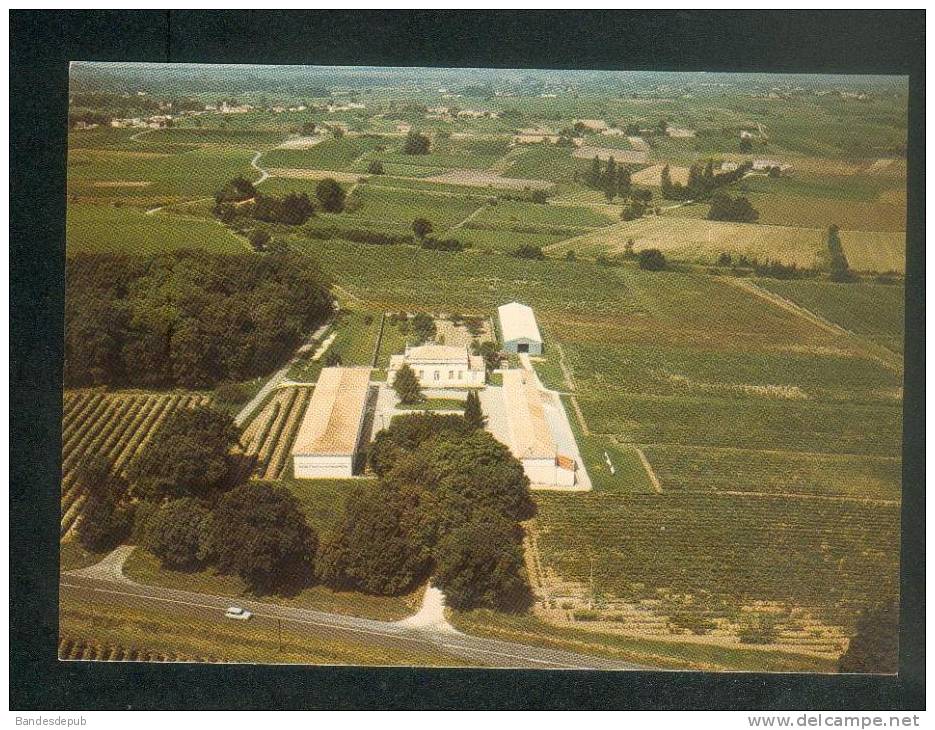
<point x="187" y="318"/>
<point x="725" y="208"/>
<point x="447" y="504"/>
<point x="610" y="178"/>
<point x="702" y="181"/>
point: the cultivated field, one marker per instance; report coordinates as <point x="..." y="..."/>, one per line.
<point x="267" y="440"/>
<point x="695" y="239"/>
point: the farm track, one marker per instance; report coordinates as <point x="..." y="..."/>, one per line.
<point x="863" y="346"/>
<point x="112" y="426"/>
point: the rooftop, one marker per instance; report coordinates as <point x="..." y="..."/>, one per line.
<point x="331" y="423"/>
<point x="530" y="436"/>
<point x="437" y="354"/>
<point x="518" y="321"/>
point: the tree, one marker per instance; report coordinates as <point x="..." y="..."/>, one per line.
<point x="652" y="259"/>
<point x="423" y="327"/>
<point x="609" y="178"/>
<point x="416" y="144"/>
<point x="473" y="413"/>
<point x="746" y="145"/>
<point x="308" y="128"/>
<point x="837" y="260"/>
<point x="408" y="432"/>
<point x="665" y="182"/>
<point x="375" y="548"/>
<point x="623" y="181"/>
<point x="330" y="195"/>
<point x="874" y="648"/>
<point x="178" y="533"/>
<point x="422" y="228"/>
<point x="480" y="565"/>
<point x="592" y="177"/>
<point x="189" y="455"/>
<point x="260" y="534"/>
<point x="259" y="238"/>
<point x="529" y="251"/>
<point x="104" y="520"/>
<point x="406" y="385"/>
<point x="376" y="168"/>
<point x="489" y="351"/>
<point x="236" y="190"/>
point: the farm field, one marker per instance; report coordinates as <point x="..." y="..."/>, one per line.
<point x="355" y="339"/>
<point x="114" y="425"/>
<point x="874" y="310"/>
<point x="702" y="240"/>
<point x="100" y="228"/>
<point x="268" y="438"/>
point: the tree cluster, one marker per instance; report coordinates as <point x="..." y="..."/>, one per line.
<point x="447" y="504"/>
<point x="612" y="179"/>
<point x="725" y="208"/>
<point x="416" y="144"/>
<point x="187" y="318"/>
<point x="702" y="181"/>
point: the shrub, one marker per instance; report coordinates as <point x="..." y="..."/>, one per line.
<point x="652" y="259"/>
<point x="586" y="614"/>
<point x="528" y="251"/>
<point x="330" y="195"/>
<point x="376" y="168"/>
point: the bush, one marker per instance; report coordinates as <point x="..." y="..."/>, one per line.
<point x="330" y="195"/>
<point x="761" y="632"/>
<point x="376" y="168"/>
<point x="652" y="259"/>
<point x="359" y="235"/>
<point x="416" y="144"/>
<point x="442" y="244"/>
<point x="696" y="623"/>
<point x="529" y="251"/>
<point x="586" y="614"/>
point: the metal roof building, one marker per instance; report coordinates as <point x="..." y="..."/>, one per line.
<point x="328" y="439"/>
<point x="518" y="329"/>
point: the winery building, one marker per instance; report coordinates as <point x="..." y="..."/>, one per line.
<point x="518" y="329"/>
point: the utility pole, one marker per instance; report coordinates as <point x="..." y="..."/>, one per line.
<point x="279" y="625"/>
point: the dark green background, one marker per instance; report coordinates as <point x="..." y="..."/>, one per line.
<point x="41" y="45"/>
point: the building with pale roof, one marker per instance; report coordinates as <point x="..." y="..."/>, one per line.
<point x="530" y="435"/>
<point x="329" y="437"/>
<point x="519" y="331"/>
<point x="441" y="366"/>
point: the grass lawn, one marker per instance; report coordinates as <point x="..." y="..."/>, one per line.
<point x="73" y="556"/>
<point x="144" y="568"/>
<point x="656" y="653"/>
<point x="355" y="339"/>
<point x="97" y="228"/>
<point x="434" y="404"/>
<point x="195" y="637"/>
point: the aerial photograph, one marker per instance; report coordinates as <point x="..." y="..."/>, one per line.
<point x="504" y="368"/>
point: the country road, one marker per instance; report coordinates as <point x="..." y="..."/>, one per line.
<point x="105" y="581"/>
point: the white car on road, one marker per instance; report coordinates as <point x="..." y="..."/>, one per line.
<point x="237" y="613"/>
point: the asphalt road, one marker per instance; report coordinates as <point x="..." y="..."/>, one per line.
<point x="194" y="607"/>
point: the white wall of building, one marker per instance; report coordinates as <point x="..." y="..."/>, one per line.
<point x="447" y="376"/>
<point x="323" y="467"/>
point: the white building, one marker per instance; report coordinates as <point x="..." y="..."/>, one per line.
<point x="518" y="329"/>
<point x="765" y="164"/>
<point x="441" y="366"/>
<point x="329" y="437"/>
<point x="530" y="436"/>
<point x="679" y="133"/>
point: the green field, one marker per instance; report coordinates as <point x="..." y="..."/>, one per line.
<point x="332" y="154"/>
<point x="875" y="310"/>
<point x="94" y="228"/>
<point x="355" y="339"/>
<point x="827" y="556"/>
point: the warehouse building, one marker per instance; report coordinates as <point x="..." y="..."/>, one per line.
<point x="329" y="438"/>
<point x="530" y="435"/>
<point x="518" y="329"/>
<point x="441" y="366"/>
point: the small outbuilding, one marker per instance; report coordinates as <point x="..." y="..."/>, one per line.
<point x="328" y="440"/>
<point x="518" y="329"/>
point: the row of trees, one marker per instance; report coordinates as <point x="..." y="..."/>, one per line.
<point x="702" y="181"/>
<point x="187" y="318"/>
<point x="725" y="208"/>
<point x="609" y="177"/>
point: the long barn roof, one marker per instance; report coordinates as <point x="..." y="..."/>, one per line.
<point x="518" y="322"/>
<point x="331" y="423"/>
<point x="530" y="436"/>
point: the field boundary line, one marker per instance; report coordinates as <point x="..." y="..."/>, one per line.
<point x="468" y="219"/>
<point x="571" y="387"/>
<point x="870" y="501"/>
<point x="654" y="480"/>
<point x="884" y="356"/>
<point x="622" y="441"/>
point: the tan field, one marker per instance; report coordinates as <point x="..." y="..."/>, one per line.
<point x="652" y="176"/>
<point x="702" y="240"/>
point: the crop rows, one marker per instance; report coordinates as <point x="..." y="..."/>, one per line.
<point x="77" y="649"/>
<point x="827" y="556"/>
<point x="114" y="426"/>
<point x="268" y="439"/>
